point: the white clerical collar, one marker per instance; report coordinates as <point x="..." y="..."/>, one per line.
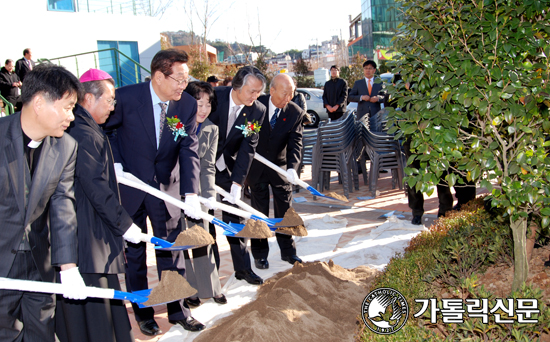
<point x="34" y="144"/>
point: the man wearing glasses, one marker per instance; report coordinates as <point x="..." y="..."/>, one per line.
<point x="144" y="145"/>
<point x="365" y="91"/>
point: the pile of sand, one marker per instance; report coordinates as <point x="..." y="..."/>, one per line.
<point x="194" y="236"/>
<point x="298" y="230"/>
<point x="292" y="224"/>
<point x="337" y="196"/>
<point x="173" y="286"/>
<point x="310" y="302"/>
<point x="255" y="229"/>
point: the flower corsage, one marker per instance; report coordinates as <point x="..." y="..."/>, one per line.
<point x="249" y="128"/>
<point x="177" y="128"/>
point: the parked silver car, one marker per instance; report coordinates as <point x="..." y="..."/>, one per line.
<point x="315" y="108"/>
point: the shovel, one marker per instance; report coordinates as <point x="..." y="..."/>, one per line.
<point x="244" y="214"/>
<point x="134" y="182"/>
<point x="299" y="182"/>
<point x="138" y="297"/>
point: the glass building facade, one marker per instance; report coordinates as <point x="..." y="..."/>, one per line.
<point x="379" y="23"/>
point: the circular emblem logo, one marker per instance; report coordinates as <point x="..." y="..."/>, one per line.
<point x="385" y="311"/>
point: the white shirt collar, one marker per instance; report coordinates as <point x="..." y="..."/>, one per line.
<point x="271" y="109"/>
<point x="155" y="98"/>
<point x="232" y="103"/>
<point x="34" y="144"/>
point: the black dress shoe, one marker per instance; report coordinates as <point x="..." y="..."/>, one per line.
<point x="457" y="207"/>
<point x="249" y="276"/>
<point x="194" y="302"/>
<point x="189" y="323"/>
<point x="221" y="299"/>
<point x="417" y="220"/>
<point x="291" y="259"/>
<point x="261" y="264"/>
<point x="149" y="327"/>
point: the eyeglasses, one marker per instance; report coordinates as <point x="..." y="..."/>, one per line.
<point x="180" y="82"/>
<point x="111" y="102"/>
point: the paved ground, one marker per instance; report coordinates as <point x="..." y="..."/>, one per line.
<point x="362" y="216"/>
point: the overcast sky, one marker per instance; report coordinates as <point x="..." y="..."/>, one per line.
<point x="284" y="24"/>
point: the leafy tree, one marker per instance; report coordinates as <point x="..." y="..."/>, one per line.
<point x="354" y="71"/>
<point x="475" y="76"/>
<point x="302" y="68"/>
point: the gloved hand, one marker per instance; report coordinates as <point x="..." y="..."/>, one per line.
<point x="134" y="235"/>
<point x="235" y="193"/>
<point x="192" y="200"/>
<point x="292" y="176"/>
<point x="118" y="170"/>
<point x="74" y="283"/>
<point x="211" y="204"/>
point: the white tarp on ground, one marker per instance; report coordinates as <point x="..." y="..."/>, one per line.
<point x="374" y="250"/>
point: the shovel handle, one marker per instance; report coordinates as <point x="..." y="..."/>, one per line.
<point x="45" y="287"/>
<point x="228" y="208"/>
<point x="278" y="169"/>
<point x="240" y="203"/>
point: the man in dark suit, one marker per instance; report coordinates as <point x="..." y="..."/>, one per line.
<point x="145" y="145"/>
<point x="236" y="106"/>
<point x="37" y="211"/>
<point x="281" y="143"/>
<point x="24" y="65"/>
<point x="10" y="85"/>
<point x="335" y="94"/>
<point x="366" y="91"/>
<point x="102" y="221"/>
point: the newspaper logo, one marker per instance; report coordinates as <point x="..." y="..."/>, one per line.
<point x="385" y="311"/>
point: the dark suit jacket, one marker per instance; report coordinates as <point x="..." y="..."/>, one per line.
<point x="101" y="218"/>
<point x="22" y="68"/>
<point x="281" y="145"/>
<point x="50" y="207"/>
<point x="237" y="150"/>
<point x="131" y="130"/>
<point x="360" y="88"/>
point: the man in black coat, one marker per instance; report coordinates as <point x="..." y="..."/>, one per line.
<point x="10" y="84"/>
<point x="236" y="149"/>
<point x="102" y="221"/>
<point x="335" y="94"/>
<point x="281" y="143"/>
<point x="24" y="65"/>
<point x="38" y="232"/>
<point x="146" y="145"/>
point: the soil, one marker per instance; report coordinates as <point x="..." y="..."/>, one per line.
<point x="194" y="236"/>
<point x="337" y="196"/>
<point x="173" y="286"/>
<point x="313" y="301"/>
<point x="255" y="229"/>
<point x="298" y="230"/>
<point x="498" y="279"/>
<point x="291" y="219"/>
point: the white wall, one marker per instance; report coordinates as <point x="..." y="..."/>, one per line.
<point x="53" y="34"/>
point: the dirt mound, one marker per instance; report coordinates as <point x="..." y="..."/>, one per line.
<point x="336" y="196"/>
<point x="498" y="279"/>
<point x="310" y="302"/>
<point x="172" y="287"/>
<point x="298" y="230"/>
<point x="194" y="236"/>
<point x="291" y="219"/>
<point x="255" y="229"/>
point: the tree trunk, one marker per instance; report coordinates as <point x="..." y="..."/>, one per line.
<point x="521" y="264"/>
<point x="531" y="238"/>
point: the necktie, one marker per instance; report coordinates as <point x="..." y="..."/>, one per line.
<point x="370" y="86"/>
<point x="273" y="120"/>
<point x="30" y="65"/>
<point x="232" y="118"/>
<point x="162" y="119"/>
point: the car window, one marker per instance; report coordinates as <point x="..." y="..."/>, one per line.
<point x="317" y="92"/>
<point x="306" y="95"/>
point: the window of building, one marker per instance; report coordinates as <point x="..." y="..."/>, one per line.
<point x="61" y="5"/>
